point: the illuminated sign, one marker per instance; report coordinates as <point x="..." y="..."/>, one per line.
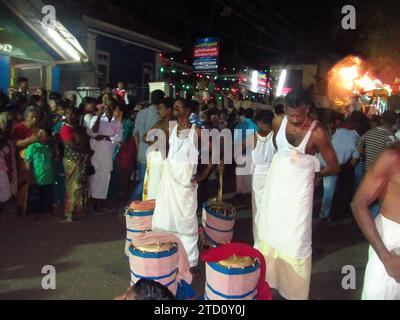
<point x="254" y="81"/>
<point x="6" y="47"/>
<point x="206" y="53"/>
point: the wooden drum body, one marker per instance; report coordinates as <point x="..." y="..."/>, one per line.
<point x="158" y="262"/>
<point x="139" y="217"/>
<point x="233" y="279"/>
<point x="218" y="222"/>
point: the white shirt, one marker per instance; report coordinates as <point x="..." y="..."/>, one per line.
<point x="112" y="129"/>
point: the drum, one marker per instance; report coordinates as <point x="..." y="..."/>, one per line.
<point x="218" y="222"/>
<point x="233" y="279"/>
<point x="158" y="262"/>
<point x="139" y="217"/>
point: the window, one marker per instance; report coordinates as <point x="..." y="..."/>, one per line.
<point x="103" y="68"/>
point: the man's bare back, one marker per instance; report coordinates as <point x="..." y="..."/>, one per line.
<point x="382" y="181"/>
<point x="389" y="197"/>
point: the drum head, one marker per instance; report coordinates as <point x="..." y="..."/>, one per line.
<point x="156" y="247"/>
<point x="222" y="208"/>
<point x="237" y="262"/>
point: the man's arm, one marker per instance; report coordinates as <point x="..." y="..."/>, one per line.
<point x="361" y="146"/>
<point x="276" y="125"/>
<point x="95" y="124"/>
<point x="210" y="167"/>
<point x="138" y="129"/>
<point x="325" y="148"/>
<point x="370" y="190"/>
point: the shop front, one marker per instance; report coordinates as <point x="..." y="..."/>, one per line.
<point x="29" y="50"/>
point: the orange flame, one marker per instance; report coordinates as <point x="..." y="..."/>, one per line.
<point x="349" y="76"/>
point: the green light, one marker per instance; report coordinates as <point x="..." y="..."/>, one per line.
<point x="162" y="69"/>
<point x="173" y="71"/>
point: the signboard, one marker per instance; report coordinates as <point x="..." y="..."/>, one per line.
<point x="206" y="53"/>
<point x="254" y="81"/>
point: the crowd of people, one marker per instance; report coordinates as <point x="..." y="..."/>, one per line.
<point x="98" y="155"/>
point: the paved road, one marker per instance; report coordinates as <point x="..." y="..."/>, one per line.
<point x="90" y="262"/>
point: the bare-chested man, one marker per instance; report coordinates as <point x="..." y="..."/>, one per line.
<point x="285" y="219"/>
<point x="382" y="277"/>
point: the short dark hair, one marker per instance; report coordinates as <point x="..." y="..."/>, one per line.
<point x="73" y="111"/>
<point x="55" y="96"/>
<point x="248" y="113"/>
<point x="279" y="109"/>
<point x="194" y="106"/>
<point x="298" y="97"/>
<point x="47" y="130"/>
<point x="169" y="102"/>
<point x="265" y="116"/>
<point x="186" y="103"/>
<point x="390" y="117"/>
<point x="157" y="97"/>
<point x="146" y="289"/>
<point x="61" y="104"/>
<point x="34" y="99"/>
<point x="22" y="79"/>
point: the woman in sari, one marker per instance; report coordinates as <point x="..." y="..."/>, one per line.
<point x="77" y="155"/>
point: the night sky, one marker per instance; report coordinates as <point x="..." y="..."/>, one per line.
<point x="252" y="32"/>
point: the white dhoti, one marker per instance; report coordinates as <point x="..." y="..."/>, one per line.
<point x="378" y="285"/>
<point x="103" y="164"/>
<point x="155" y="166"/>
<point x="285" y="224"/>
<point x="243" y="183"/>
<point x="259" y="181"/>
<point x="176" y="202"/>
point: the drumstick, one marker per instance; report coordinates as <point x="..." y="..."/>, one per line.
<point x="221" y="179"/>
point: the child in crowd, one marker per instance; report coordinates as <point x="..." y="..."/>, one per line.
<point x="59" y="175"/>
<point x="39" y="160"/>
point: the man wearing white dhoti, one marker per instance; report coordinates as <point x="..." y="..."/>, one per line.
<point x="262" y="156"/>
<point x="106" y="134"/>
<point x="176" y="202"/>
<point x="285" y="220"/>
<point x="156" y="157"/>
<point x="382" y="182"/>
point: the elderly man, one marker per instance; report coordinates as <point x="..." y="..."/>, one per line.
<point x="106" y="134"/>
<point x="285" y="219"/>
<point x="382" y="276"/>
<point x="24" y="134"/>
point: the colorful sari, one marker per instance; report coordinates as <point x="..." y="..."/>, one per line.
<point x="77" y="182"/>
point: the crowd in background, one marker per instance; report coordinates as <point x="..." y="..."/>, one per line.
<point x="92" y="156"/>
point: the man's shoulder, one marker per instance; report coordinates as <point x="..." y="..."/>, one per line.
<point x="392" y="154"/>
